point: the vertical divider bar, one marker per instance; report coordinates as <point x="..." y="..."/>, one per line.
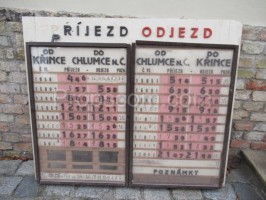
<point x="128" y="116"/>
<point x="32" y="111"/>
<point x="131" y="120"/>
<point x="229" y="115"/>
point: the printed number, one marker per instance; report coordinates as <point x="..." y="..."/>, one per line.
<point x="70" y="78"/>
<point x="172" y="79"/>
<point x="100" y="88"/>
<point x="203" y="80"/>
<point x="171" y="90"/>
<point x="202" y="90"/>
<point x="72" y="143"/>
<point x="76" y="79"/>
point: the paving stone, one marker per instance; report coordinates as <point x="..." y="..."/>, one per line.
<point x="8" y="184"/>
<point x="246" y="192"/>
<point x="237" y="176"/>
<point x="4" y="197"/>
<point x="226" y="193"/>
<point x="9" y="167"/>
<point x="257" y="159"/>
<point x="26" y="168"/>
<point x="157" y="194"/>
<point x="28" y="188"/>
<point x="91" y="192"/>
<point x="187" y="194"/>
<point x="109" y="195"/>
<point x="127" y="193"/>
<point x="242" y="174"/>
<point x="58" y="198"/>
<point x="59" y="191"/>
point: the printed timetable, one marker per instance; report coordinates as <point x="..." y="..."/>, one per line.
<point x="79" y="111"/>
<point x="182" y="106"/>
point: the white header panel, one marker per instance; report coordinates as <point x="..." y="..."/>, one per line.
<point x="127" y="30"/>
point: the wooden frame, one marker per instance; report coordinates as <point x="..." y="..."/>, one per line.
<point x="36" y="147"/>
<point x="190" y="183"/>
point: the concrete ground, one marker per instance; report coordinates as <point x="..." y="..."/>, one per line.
<point x="17" y="182"/>
<point x="257" y="161"/>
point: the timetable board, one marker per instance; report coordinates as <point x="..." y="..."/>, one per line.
<point x="79" y="110"/>
<point x="183" y="96"/>
<point x="154" y="114"/>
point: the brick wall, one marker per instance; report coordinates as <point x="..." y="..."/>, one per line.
<point x="249" y="120"/>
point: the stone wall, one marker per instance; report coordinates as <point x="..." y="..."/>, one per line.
<point x="249" y="120"/>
